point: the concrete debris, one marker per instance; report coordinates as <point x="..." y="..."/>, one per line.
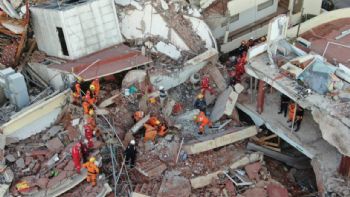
<point x="10" y="158"/>
<point x="20" y="163"/>
<point x="168" y="49"/>
<point x="224" y="104"/>
<point x="174" y="186"/>
<point x="54" y="145"/>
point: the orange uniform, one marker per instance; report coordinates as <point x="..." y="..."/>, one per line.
<point x="204" y="121"/>
<point x="153" y="121"/>
<point x="92" y="172"/>
<point x="150" y="133"/>
<point x="86" y="107"/>
<point x="89" y="98"/>
<point x="76" y="93"/>
<point x="291" y="111"/>
<point x="96" y="84"/>
<point x="138" y="115"/>
<point x="162" y="131"/>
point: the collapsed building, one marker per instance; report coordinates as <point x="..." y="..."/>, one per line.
<point x="135" y="48"/>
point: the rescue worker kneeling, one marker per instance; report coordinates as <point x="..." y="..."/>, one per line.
<point x="204" y="121"/>
<point x="92" y="169"/>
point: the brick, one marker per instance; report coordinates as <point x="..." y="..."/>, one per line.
<point x="253" y="171"/>
<point x="42" y="182"/>
<point x="55" y="145"/>
<point x="275" y="190"/>
<point x="37" y="153"/>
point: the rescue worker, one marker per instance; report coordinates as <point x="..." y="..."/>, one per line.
<point x="84" y="151"/>
<point x="155" y="123"/>
<point x="76" y="94"/>
<point x="150" y="132"/>
<point x="86" y="107"/>
<point x="93" y="171"/>
<point x="130" y="154"/>
<point x="298" y="118"/>
<point x="204" y="121"/>
<point x="162" y="95"/>
<point x="89" y="133"/>
<point x="243" y="47"/>
<point x="205" y="86"/>
<point x="95" y="87"/>
<point x="284" y="105"/>
<point x="89" y="98"/>
<point x="138" y="115"/>
<point x="291" y="110"/>
<point x="76" y="156"/>
<point x="91" y="120"/>
<point x="200" y="103"/>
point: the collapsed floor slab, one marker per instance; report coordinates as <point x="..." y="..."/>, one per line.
<point x="218" y="140"/>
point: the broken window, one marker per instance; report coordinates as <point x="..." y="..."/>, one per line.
<point x="230" y="20"/>
<point x="265" y="5"/>
<point x="62" y="41"/>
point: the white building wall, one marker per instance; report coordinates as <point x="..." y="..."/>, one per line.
<point x="45" y="22"/>
<point x="87" y="27"/>
<point x="247" y="15"/>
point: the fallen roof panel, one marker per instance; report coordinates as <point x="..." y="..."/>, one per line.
<point x="103" y="63"/>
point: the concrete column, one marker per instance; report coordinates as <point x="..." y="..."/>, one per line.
<point x="261" y="97"/>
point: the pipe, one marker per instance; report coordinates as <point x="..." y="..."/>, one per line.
<point x="261" y="97"/>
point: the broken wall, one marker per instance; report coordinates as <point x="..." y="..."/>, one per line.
<point x="87" y="27"/>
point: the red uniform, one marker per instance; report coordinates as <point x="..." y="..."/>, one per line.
<point x="76" y="156"/>
<point x="205" y="86"/>
<point x="89" y="135"/>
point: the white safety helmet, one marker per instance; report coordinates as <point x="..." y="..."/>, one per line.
<point x="132" y="142"/>
<point x="161" y="88"/>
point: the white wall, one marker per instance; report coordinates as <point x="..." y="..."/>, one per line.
<point x="87" y="27"/>
<point x="246" y="17"/>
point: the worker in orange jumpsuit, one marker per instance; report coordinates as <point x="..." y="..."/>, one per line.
<point x="156" y="124"/>
<point x="76" y="93"/>
<point x="93" y="171"/>
<point x="95" y="88"/>
<point x="150" y="132"/>
<point x="89" y="98"/>
<point x="291" y="111"/>
<point x="86" y="107"/>
<point x="76" y="156"/>
<point x="204" y="121"/>
<point x="89" y="134"/>
<point x="138" y="115"/>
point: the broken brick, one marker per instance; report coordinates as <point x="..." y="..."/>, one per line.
<point x="253" y="171"/>
<point x="275" y="190"/>
<point x="54" y="145"/>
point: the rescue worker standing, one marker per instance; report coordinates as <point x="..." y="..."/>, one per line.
<point x="200" y="103"/>
<point x="204" y="121"/>
<point x="92" y="169"/>
<point x="95" y="88"/>
<point x="284" y="105"/>
<point x="130" y="154"/>
<point x="298" y="118"/>
<point x="76" y="156"/>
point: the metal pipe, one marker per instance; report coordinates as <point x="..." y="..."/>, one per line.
<point x="295" y="113"/>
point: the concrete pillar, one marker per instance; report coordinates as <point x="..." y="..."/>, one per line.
<point x="261" y="97"/>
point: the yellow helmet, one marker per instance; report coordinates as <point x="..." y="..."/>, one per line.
<point x="157" y="122"/>
<point x="200" y="96"/>
<point x="79" y="79"/>
<point x="195" y="117"/>
<point x="92" y="159"/>
<point x="91" y="112"/>
<point x="92" y="87"/>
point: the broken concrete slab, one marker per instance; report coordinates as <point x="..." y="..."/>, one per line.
<point x="188" y="115"/>
<point x="63" y="185"/>
<point x="151" y="168"/>
<point x="174" y="186"/>
<point x="134" y="77"/>
<point x="175" y="78"/>
<point x="20" y="163"/>
<point x="10" y="158"/>
<point x="52" y="132"/>
<point x="109" y="101"/>
<point x="216" y="75"/>
<point x="238" y="88"/>
<point x="106" y="190"/>
<point x="224" y="105"/>
<point x="221" y="139"/>
<point x="168" y="50"/>
<point x="135" y="194"/>
<point x="169" y="105"/>
<point x="134" y="129"/>
<point x="54" y="145"/>
<point x="202" y="181"/>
